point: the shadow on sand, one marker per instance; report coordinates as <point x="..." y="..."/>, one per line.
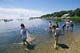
<point x="63" y="46"/>
<point x="30" y="47"/>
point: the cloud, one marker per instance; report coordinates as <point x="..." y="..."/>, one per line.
<point x="16" y="13"/>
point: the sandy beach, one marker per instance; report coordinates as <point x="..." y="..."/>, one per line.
<point x="39" y="18"/>
<point x="44" y="42"/>
<point x="68" y="43"/>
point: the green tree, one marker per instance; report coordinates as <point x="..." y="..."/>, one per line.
<point x="71" y="13"/>
<point x="77" y="12"/>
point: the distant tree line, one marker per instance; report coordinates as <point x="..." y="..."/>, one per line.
<point x="71" y="13"/>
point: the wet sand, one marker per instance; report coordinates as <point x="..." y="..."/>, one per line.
<point x="68" y="43"/>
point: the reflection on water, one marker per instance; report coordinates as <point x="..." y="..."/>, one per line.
<point x="9" y="30"/>
<point x="37" y="27"/>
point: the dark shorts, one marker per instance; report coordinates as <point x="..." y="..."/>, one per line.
<point x="24" y="40"/>
<point x="50" y="27"/>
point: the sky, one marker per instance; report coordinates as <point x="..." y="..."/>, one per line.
<point x="33" y="8"/>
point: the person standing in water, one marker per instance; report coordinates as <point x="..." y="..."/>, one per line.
<point x="56" y="33"/>
<point x="67" y="25"/>
<point x="23" y="33"/>
<point x="50" y="26"/>
<point x="57" y="25"/>
<point x="54" y="36"/>
<point x="71" y="25"/>
<point x="63" y="27"/>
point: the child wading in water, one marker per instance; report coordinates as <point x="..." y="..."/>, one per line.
<point x="23" y="33"/>
<point x="56" y="33"/>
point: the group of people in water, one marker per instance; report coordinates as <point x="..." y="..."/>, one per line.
<point x="56" y="30"/>
<point x="53" y="28"/>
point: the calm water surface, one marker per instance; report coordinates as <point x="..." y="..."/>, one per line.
<point x="37" y="27"/>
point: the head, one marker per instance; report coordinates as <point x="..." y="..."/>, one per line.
<point x="49" y="21"/>
<point x="22" y="26"/>
<point x="56" y="22"/>
<point x="54" y="26"/>
<point x="71" y="21"/>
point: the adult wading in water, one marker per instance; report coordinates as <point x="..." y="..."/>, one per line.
<point x="50" y="26"/>
<point x="71" y="25"/>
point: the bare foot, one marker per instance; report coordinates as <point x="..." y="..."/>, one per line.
<point x="26" y="49"/>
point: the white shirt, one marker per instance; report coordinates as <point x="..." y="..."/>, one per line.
<point x="50" y="24"/>
<point x="57" y="31"/>
<point x="67" y="23"/>
<point x="23" y="33"/>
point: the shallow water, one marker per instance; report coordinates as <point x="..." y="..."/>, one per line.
<point x="9" y="31"/>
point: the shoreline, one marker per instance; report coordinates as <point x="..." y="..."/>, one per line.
<point x="70" y="40"/>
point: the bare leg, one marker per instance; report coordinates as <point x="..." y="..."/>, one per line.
<point x="24" y="43"/>
<point x="56" y="43"/>
<point x="27" y="42"/>
<point x="72" y="28"/>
